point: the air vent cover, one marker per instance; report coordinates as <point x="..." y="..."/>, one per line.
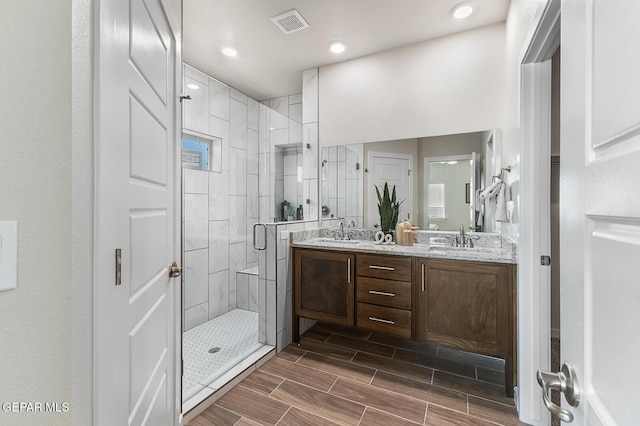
<point x="290" y="21"/>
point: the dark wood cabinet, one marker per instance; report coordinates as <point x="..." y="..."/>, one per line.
<point x="458" y="304"/>
<point x="468" y="306"/>
<point x="323" y="286"/>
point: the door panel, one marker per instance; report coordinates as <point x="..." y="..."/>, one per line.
<point x="396" y="170"/>
<point x="600" y="213"/>
<point x="137" y="322"/>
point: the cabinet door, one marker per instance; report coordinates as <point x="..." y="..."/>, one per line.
<point x="324" y="288"/>
<point x="464" y="305"/>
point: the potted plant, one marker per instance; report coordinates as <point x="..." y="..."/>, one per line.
<point x="291" y="214"/>
<point x="388" y="207"/>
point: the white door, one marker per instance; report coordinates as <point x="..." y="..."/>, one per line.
<point x="600" y="207"/>
<point x="396" y="169"/>
<point x="136" y="321"/>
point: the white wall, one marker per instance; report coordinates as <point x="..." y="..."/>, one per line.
<point x="35" y="189"/>
<point x="453" y="84"/>
<point x="82" y="213"/>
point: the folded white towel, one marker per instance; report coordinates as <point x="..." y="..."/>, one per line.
<point x="478" y="199"/>
<point x="501" y="205"/>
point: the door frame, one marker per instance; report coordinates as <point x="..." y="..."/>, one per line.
<point x="534" y="304"/>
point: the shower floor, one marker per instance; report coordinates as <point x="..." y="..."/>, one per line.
<point x="234" y="333"/>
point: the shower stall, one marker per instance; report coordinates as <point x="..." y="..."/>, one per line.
<point x="230" y="303"/>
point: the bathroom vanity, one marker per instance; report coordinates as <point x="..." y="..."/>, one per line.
<point x="456" y="298"/>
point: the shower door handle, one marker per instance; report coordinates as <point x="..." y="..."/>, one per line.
<point x="254" y="236"/>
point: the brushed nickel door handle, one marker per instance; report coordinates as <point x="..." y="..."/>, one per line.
<point x="174" y="270"/>
<point x="566" y="382"/>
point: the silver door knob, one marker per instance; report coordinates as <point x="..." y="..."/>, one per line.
<point x="565" y="381"/>
<point x="174" y="270"/>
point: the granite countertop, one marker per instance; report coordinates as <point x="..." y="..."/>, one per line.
<point x="505" y="253"/>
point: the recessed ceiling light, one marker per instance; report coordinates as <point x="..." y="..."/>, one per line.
<point x="463" y="10"/>
<point x="193" y="86"/>
<point x="229" y="51"/>
<point x="337" y="47"/>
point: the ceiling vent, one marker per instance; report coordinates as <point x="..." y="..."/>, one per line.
<point x="290" y="21"/>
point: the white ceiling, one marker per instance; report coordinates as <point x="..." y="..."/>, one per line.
<point x="269" y="63"/>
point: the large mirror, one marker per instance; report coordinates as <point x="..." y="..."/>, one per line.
<point x="437" y="177"/>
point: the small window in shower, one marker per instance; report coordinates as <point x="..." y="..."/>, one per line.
<point x="201" y="153"/>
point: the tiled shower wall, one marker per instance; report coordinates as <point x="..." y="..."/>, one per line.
<point x="284" y="121"/>
<point x="342" y="183"/>
<point x="220" y="208"/>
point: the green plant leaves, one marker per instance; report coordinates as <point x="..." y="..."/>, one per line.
<point x="388" y="208"/>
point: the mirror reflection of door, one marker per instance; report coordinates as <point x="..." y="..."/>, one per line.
<point x="447" y="201"/>
<point x="396" y="170"/>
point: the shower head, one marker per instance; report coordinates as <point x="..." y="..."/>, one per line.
<point x="324" y="162"/>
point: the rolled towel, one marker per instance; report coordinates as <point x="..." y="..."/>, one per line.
<point x="501" y="205"/>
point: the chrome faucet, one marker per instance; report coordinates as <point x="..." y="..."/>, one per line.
<point x="460" y="239"/>
<point x="351" y="223"/>
<point x="340" y="234"/>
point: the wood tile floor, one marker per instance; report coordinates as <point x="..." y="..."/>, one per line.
<point x="342" y="376"/>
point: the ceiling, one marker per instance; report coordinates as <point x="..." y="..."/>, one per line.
<point x="269" y="63"/>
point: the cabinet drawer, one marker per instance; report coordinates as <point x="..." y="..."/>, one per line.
<point x="383" y="319"/>
<point x="386" y="267"/>
<point x="395" y="294"/>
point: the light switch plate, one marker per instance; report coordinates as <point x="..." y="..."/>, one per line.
<point x="8" y="254"/>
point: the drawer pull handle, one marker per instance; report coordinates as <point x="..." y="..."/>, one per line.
<point x="381" y="293"/>
<point x="384" y="268"/>
<point x="349" y="271"/>
<point x="382" y="320"/>
<point x="423" y="277"/>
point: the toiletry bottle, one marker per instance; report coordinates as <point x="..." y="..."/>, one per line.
<point x="299" y="212"/>
<point x="285" y="209"/>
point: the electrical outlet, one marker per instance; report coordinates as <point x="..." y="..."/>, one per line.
<point x="284" y="235"/>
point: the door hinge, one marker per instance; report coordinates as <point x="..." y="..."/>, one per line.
<point x="181" y="367"/>
<point x="545" y="260"/>
<point x="409" y="172"/>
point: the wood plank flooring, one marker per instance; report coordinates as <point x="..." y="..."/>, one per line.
<point x="341" y="376"/>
